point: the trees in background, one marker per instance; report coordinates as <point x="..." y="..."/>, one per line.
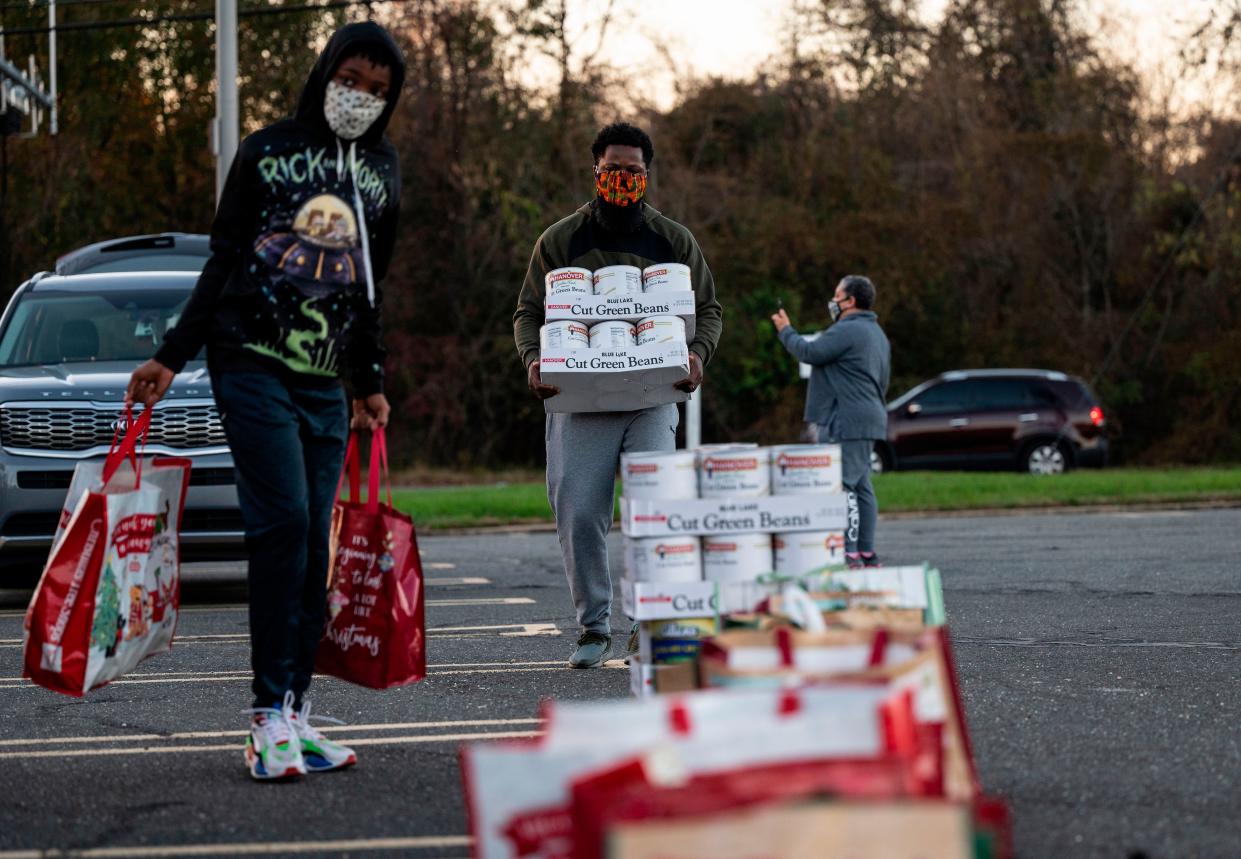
<point x="1006" y="183"/>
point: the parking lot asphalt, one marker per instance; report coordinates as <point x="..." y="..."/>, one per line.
<point x="1099" y="655"/>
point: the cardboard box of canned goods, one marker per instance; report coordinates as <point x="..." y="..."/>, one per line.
<point x="665" y="601"/>
<point x="624" y="380"/>
<point x="646" y="680"/>
<point x="704" y="517"/>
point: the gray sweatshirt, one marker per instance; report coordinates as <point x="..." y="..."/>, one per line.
<point x="850" y="366"/>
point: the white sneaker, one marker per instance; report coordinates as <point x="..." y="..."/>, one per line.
<point x="320" y="753"/>
<point x="272" y="749"/>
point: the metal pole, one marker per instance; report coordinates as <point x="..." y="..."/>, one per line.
<point x="693" y="420"/>
<point x="51" y="52"/>
<point x="4" y="86"/>
<point x="227" y="124"/>
<point x="32" y="75"/>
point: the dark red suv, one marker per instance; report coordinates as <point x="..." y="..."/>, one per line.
<point x="1038" y="421"/>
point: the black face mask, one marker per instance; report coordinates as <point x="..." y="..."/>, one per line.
<point x="834" y="309"/>
<point x="618" y="219"/>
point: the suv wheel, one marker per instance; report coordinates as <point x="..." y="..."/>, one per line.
<point x="1045" y="457"/>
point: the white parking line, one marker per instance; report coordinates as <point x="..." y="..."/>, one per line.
<point x="458" y="580"/>
<point x="215" y="735"/>
<point x="440" y="565"/>
<point x="222" y="677"/>
<point x="233" y="607"/>
<point x="224" y="674"/>
<point x="519" y="630"/>
<point x="484" y="601"/>
<point x="510" y="630"/>
<point x="265" y="848"/>
<point x="233" y="747"/>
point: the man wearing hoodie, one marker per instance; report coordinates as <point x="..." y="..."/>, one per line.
<point x="286" y="307"/>
<point x="618" y="227"/>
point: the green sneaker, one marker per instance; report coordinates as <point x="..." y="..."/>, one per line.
<point x="592" y="650"/>
<point x="320" y="753"/>
<point x="272" y="750"/>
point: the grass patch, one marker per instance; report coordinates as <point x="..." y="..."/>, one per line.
<point x="475" y="506"/>
<point x="956" y="490"/>
<point x="525" y="502"/>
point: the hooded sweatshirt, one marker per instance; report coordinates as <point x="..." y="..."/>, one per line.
<point x="582" y="239"/>
<point x="302" y="217"/>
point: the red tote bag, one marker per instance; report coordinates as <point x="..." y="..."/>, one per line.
<point x="376" y="625"/>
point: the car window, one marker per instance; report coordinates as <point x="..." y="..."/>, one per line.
<point x="50" y="327"/>
<point x="945" y="398"/>
<point x="1007" y="395"/>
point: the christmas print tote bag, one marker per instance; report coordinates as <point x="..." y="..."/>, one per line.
<point x="376" y="625"/>
<point x="109" y="593"/>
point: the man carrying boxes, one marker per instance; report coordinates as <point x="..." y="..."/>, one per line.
<point x="618" y="227"/>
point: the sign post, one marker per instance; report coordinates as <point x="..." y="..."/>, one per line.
<point x="226" y="131"/>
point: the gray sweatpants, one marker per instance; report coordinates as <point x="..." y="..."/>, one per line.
<point x="855" y="475"/>
<point x="583" y="451"/>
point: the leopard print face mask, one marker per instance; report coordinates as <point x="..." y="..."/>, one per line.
<point x="349" y="112"/>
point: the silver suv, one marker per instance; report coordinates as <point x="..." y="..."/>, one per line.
<point x="68" y="343"/>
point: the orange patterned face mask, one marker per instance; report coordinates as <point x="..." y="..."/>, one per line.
<point x="620" y="187"/>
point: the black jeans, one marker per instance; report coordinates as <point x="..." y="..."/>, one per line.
<point x="288" y="444"/>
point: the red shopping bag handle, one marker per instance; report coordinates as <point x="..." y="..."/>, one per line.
<point x="351" y="468"/>
<point x="135" y="431"/>
<point x="379" y="457"/>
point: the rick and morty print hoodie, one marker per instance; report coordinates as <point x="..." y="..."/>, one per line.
<point x="301" y="242"/>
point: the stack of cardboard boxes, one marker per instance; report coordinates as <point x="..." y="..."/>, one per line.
<point x="618" y="374"/>
<point x="676" y="611"/>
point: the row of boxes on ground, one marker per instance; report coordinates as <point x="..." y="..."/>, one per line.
<point x="674" y="618"/>
<point x="778" y="707"/>
<point x="736" y="471"/>
<point x="874" y="762"/>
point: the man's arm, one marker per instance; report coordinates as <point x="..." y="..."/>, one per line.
<point x="228" y="239"/>
<point x="708" y="314"/>
<point x="887" y="372"/>
<point x="530" y="313"/>
<point x="828" y="347"/>
<point x="365" y="350"/>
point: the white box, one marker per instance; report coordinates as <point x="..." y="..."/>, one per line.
<point x="641" y="678"/>
<point x="660" y="601"/>
<point x="622" y="380"/>
<point x="631" y="308"/>
<point x="708" y="516"/>
<point x="745" y="597"/>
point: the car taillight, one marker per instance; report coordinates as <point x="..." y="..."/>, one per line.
<point x="1096" y="416"/>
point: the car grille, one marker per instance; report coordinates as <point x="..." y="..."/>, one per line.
<point x="76" y="429"/>
<point x="193" y="521"/>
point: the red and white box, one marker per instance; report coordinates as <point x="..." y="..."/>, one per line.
<point x="622" y="380"/>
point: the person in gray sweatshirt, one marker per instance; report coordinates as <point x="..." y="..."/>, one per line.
<point x="850" y="367"/>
